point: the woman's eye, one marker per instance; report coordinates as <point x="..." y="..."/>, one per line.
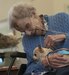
<point x="27" y="26"/>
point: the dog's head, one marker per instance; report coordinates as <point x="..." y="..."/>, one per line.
<point x="40" y="52"/>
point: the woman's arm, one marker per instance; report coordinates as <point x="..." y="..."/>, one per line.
<point x="52" y="40"/>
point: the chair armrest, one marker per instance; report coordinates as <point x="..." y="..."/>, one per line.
<point x="18" y="54"/>
<point x="22" y="69"/>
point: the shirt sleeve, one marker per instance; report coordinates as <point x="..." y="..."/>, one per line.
<point x="67" y="35"/>
<point x="66" y="42"/>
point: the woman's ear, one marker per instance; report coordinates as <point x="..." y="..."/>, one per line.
<point x="41" y="15"/>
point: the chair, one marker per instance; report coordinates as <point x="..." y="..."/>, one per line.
<point x="22" y="69"/>
<point x="14" y="55"/>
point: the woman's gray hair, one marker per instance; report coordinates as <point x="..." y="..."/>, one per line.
<point x="20" y="11"/>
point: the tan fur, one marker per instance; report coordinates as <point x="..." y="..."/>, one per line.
<point x="39" y="53"/>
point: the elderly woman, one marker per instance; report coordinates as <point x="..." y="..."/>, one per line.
<point x="48" y="31"/>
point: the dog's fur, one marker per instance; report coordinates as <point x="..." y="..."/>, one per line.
<point x="40" y="52"/>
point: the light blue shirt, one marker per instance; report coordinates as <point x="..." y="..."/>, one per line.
<point x="58" y="23"/>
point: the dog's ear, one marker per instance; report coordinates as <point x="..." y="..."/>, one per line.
<point x="40" y="49"/>
<point x="39" y="46"/>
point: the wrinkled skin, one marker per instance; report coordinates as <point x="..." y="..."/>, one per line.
<point x="31" y="26"/>
<point x="58" y="60"/>
<point x="52" y="40"/>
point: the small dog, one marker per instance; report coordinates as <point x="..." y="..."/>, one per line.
<point x="40" y="52"/>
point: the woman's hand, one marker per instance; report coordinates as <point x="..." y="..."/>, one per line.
<point x="52" y="40"/>
<point x="57" y="60"/>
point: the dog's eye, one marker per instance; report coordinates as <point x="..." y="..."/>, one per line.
<point x="35" y="54"/>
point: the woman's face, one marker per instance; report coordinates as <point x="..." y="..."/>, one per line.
<point x="31" y="26"/>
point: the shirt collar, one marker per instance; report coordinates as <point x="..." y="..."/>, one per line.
<point x="44" y="22"/>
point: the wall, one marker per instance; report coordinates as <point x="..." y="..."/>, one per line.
<point x="60" y="5"/>
<point x="43" y="6"/>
